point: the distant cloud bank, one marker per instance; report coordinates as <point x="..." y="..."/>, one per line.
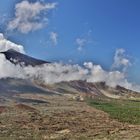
<point x="57" y="72"/>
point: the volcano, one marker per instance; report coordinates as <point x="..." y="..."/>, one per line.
<point x="18" y="58"/>
<point x="84" y="88"/>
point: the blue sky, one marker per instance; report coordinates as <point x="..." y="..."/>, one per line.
<point x="102" y="26"/>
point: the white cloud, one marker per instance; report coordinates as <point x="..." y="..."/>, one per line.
<point x="57" y="72"/>
<point x="54" y="38"/>
<point x="98" y="74"/>
<point x="30" y="16"/>
<point x="6" y="45"/>
<point x="81" y="42"/>
<point x="84" y="40"/>
<point x="8" y="69"/>
<point x="120" y="60"/>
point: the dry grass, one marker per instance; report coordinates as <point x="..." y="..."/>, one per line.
<point x="62" y="119"/>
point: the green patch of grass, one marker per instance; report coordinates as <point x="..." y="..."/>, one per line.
<point x="122" y="110"/>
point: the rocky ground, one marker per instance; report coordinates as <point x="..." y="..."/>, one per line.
<point x="60" y="118"/>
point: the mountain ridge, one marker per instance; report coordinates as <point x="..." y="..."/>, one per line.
<point x="86" y="89"/>
<point x="22" y="59"/>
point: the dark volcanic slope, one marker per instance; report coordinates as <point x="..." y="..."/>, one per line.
<point x="22" y="59"/>
<point x="11" y="86"/>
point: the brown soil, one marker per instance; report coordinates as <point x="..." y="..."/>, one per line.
<point x="25" y="107"/>
<point x="76" y="120"/>
<point x="64" y="119"/>
<point x="3" y="109"/>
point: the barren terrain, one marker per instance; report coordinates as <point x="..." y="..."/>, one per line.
<point x="60" y="118"/>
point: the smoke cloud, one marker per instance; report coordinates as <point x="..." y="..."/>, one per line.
<point x="57" y="72"/>
<point x="6" y="45"/>
<point x="120" y="60"/>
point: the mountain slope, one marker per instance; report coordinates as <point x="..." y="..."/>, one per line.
<point x="9" y="86"/>
<point x="22" y="59"/>
<point x="93" y="90"/>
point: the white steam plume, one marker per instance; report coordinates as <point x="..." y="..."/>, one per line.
<point x="57" y="72"/>
<point x="6" y="45"/>
<point x="120" y="60"/>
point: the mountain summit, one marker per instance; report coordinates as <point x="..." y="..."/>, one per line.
<point x="16" y="57"/>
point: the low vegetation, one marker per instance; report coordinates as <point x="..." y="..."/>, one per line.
<point x="122" y="110"/>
